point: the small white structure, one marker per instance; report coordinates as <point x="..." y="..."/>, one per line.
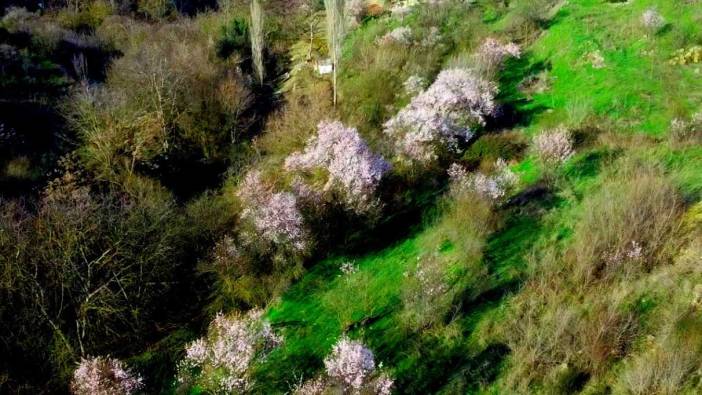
<point x="325" y="66"/>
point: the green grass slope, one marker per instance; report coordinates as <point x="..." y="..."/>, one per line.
<point x="593" y="68"/>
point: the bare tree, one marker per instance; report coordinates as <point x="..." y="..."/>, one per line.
<point x="336" y="30"/>
<point x="256" y="32"/>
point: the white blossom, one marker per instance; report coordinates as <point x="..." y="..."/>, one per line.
<point x="414" y="85"/>
<point x="492" y="54"/>
<point x="224" y="356"/>
<point x="399" y="35"/>
<point x="492" y="187"/>
<point x="352" y="167"/>
<point x="652" y="20"/>
<point x="443" y="115"/>
<point x="431" y="39"/>
<point x="350" y="362"/>
<point x="104" y="376"/>
<point x="553" y="146"/>
<point x="274" y="214"/>
<point x="348" y="268"/>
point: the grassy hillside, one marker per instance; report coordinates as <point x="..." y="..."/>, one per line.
<point x="592" y="67"/>
<point x="506" y="198"/>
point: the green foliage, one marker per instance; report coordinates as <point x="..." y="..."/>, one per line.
<point x="235" y="38"/>
<point x="491" y="147"/>
<point x="166" y="104"/>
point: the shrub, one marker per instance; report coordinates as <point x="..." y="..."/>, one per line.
<point x="492" y="54"/>
<point x="582" y="310"/>
<point x="91" y="273"/>
<point x="626" y="226"/>
<point x="18" y="19"/>
<point x="399" y="35"/>
<point x="155" y="9"/>
<point x="443" y="116"/>
<point x="652" y="20"/>
<point x="489" y="148"/>
<point x="274" y="214"/>
<point x="529" y="16"/>
<point x="164" y="102"/>
<point x="351" y="165"/>
<point x="221" y="360"/>
<point x="682" y="130"/>
<point x="668" y="357"/>
<point x="350" y="368"/>
<point x="556" y="335"/>
<point x="553" y="146"/>
<point x="425" y="294"/>
<point x="491" y="187"/>
<point x="453" y="271"/>
<point x="104" y="376"/>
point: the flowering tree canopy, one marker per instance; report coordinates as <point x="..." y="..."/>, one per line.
<point x="352" y="167"/>
<point x="553" y="146"/>
<point x="443" y="115"/>
<point x="493" y="187"/>
<point x="274" y="214"/>
<point x="399" y="35"/>
<point x="104" y="376"/>
<point x="492" y="54"/>
<point x="220" y="361"/>
<point x="652" y="20"/>
<point x="350" y="368"/>
<point x="350" y="362"/>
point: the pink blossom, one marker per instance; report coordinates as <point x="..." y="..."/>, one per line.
<point x="275" y="215"/>
<point x="104" y="376"/>
<point x="443" y="115"/>
<point x="383" y="384"/>
<point x="352" y="166"/>
<point x="315" y="386"/>
<point x="350" y="362"/>
<point x="225" y="354"/>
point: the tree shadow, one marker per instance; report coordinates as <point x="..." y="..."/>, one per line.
<point x="517" y="109"/>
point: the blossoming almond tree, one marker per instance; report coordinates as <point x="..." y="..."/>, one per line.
<point x="553" y="146"/>
<point x="350" y="369"/>
<point x="443" y="115"/>
<point x="492" y="54"/>
<point x="493" y="187"/>
<point x="352" y="167"/>
<point x="274" y="214"/>
<point x="104" y="376"/>
<point x="220" y="361"/>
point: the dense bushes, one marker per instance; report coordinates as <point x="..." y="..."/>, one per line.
<point x="167" y="100"/>
<point x="579" y="314"/>
<point x="89" y="273"/>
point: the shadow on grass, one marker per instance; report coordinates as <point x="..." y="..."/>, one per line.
<point x="517" y="108"/>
